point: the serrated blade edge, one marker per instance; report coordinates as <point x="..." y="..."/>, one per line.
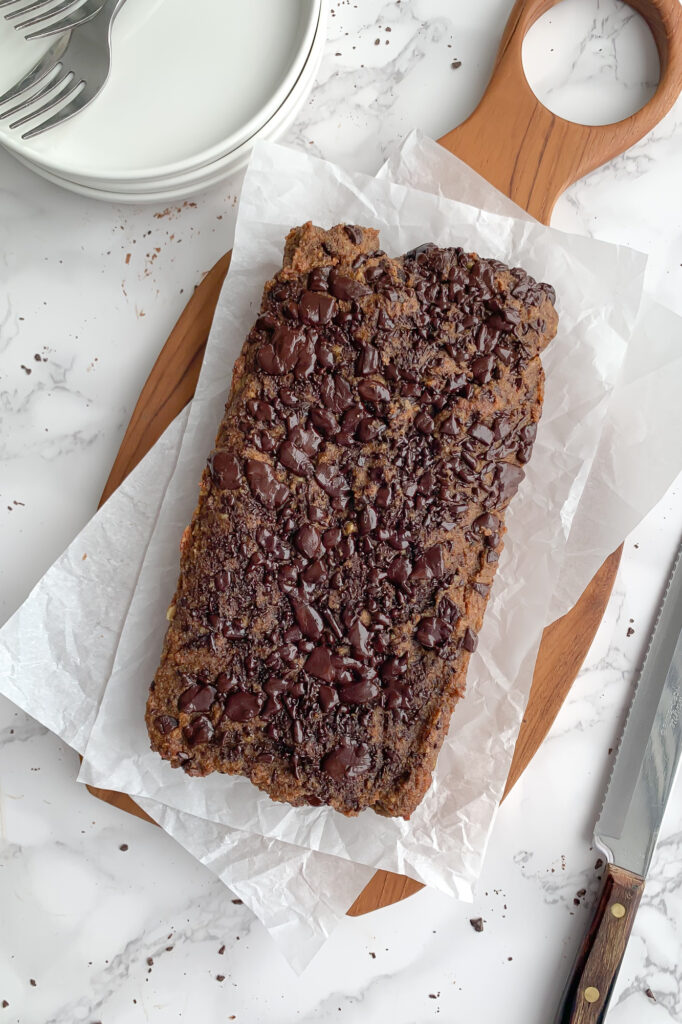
<point x="649" y="750"/>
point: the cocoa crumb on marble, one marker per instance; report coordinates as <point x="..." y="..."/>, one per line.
<point x="220" y="977"/>
<point x="599" y="863"/>
<point x="373" y="955"/>
<point x="123" y="847"/>
<point x="5" y="1004"/>
<point x="476" y="923"/>
<point x="647" y="992"/>
<point x="238" y="903"/>
<point x="32" y="982"/>
<point x="26" y="370"/>
<point x="456" y="64"/>
<point x="221" y="951"/>
<point x="630" y="631"/>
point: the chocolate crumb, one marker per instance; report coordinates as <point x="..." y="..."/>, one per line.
<point x="220" y="977"/>
<point x="433" y="995"/>
<point x="599" y="863"/>
<point x="26" y="370"/>
<point x="476" y="923"/>
<point x="168" y="949"/>
<point x="150" y="961"/>
<point x="5" y="1004"/>
<point x="238" y="903"/>
<point x="630" y="631"/>
<point x="373" y="955"/>
<point x="123" y="847"/>
<point x="576" y="902"/>
<point x="647" y="992"/>
<point x="581" y="892"/>
<point x="510" y="958"/>
<point x="456" y="64"/>
<point x="221" y="951"/>
<point x="32" y="982"/>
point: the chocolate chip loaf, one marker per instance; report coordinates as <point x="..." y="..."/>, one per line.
<point x="334" y="577"/>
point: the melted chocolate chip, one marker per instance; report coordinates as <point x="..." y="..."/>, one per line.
<point x="482" y="369"/>
<point x="469" y="641"/>
<point x="354" y="232"/>
<point x="347" y="762"/>
<point x="359" y="693"/>
<point x="317" y="308"/>
<point x="225" y="470"/>
<point x="307" y="541"/>
<point x="196" y="698"/>
<point x="308" y="620"/>
<point x="346" y="288"/>
<point x="165" y="723"/>
<point x="507" y="480"/>
<point x="373" y="391"/>
<point x="294" y="459"/>
<point x="433" y="631"/>
<point x="264" y="484"/>
<point x="328" y="698"/>
<point x="200" y="730"/>
<point x="241" y="707"/>
<point x="319" y="664"/>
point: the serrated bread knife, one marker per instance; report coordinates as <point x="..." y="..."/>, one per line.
<point x="636" y="797"/>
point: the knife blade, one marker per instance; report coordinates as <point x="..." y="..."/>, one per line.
<point x="636" y="797"/>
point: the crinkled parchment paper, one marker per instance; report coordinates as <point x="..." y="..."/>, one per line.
<point x="599" y="290"/>
<point x="48" y="668"/>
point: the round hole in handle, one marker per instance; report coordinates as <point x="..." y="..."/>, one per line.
<point x="592" y="62"/>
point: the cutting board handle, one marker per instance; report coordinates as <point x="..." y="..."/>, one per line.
<point x="533" y="155"/>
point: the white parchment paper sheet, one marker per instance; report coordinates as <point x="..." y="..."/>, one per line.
<point x="298" y="894"/>
<point x="599" y="288"/>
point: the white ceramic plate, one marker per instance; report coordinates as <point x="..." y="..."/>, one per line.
<point x="192" y="182"/>
<point x="189" y="84"/>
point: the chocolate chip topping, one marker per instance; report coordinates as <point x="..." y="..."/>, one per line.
<point x="351" y="519"/>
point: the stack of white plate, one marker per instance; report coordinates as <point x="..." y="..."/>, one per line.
<point x="193" y="86"/>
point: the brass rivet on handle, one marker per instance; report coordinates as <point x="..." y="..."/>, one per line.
<point x="618" y="910"/>
<point x="591" y="994"/>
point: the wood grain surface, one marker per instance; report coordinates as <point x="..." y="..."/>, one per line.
<point x="596" y="968"/>
<point x="533" y="156"/>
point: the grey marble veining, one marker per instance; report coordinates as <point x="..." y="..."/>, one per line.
<point x="93" y="289"/>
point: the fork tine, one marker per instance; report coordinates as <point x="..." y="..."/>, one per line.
<point x="75" y="84"/>
<point x="70" y="21"/>
<point x="57" y="80"/>
<point x="45" y="15"/>
<point x="17" y="12"/>
<point x="44" y="66"/>
<point x="74" y="107"/>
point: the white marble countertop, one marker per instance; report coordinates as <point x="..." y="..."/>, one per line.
<point x="103" y="917"/>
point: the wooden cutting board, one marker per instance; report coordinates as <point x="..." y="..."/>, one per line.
<point x="532" y="156"/>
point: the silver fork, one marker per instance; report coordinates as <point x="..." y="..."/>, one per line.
<point x="46" y="10"/>
<point x="75" y="66"/>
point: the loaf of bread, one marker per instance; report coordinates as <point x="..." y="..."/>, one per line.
<point x="335" y="573"/>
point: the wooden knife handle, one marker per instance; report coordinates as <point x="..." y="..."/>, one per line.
<point x="531" y="154"/>
<point x="589" y="989"/>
